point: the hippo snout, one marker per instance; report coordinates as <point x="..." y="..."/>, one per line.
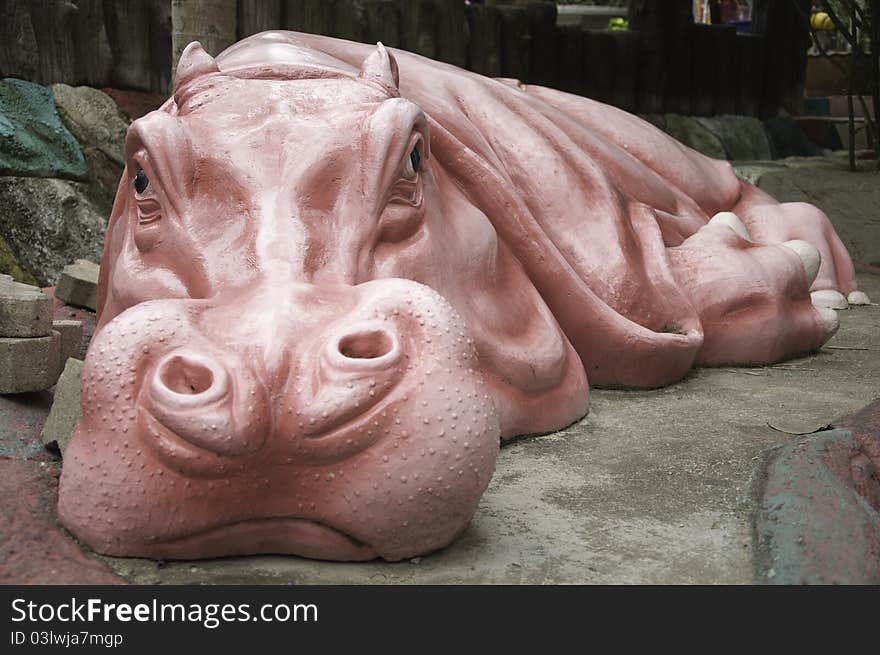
<point x="191" y="395"/>
<point x="215" y="428"/>
<point x="211" y="400"/>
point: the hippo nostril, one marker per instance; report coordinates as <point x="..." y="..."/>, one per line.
<point x="198" y="402"/>
<point x="187" y="378"/>
<point x="370" y="344"/>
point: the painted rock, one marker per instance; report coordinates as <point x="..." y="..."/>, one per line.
<point x="335" y="276"/>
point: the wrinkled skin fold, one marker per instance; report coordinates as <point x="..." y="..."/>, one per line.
<point x="335" y="276"/>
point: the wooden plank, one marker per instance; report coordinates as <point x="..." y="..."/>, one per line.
<point x="516" y="42"/>
<point x="626" y="77"/>
<point x="212" y="23"/>
<point x="599" y="65"/>
<point x="452" y="26"/>
<point x="161" y="55"/>
<point x="703" y="64"/>
<point x="94" y="59"/>
<point x="484" y="47"/>
<point x="786" y="31"/>
<point x="256" y="16"/>
<point x="383" y="22"/>
<point x="312" y="16"/>
<point x="542" y="25"/>
<point x="53" y="24"/>
<point x="799" y="44"/>
<point x="570" y="75"/>
<point x="726" y="70"/>
<point x="662" y="28"/>
<point x="351" y="20"/>
<point x="127" y="23"/>
<point x="751" y="73"/>
<point x="419" y="21"/>
<point x="139" y="34"/>
<point x="679" y="79"/>
<point x="19" y="54"/>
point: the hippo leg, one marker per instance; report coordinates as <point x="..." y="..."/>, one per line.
<point x="812" y="260"/>
<point x="771" y="223"/>
<point x="753" y="300"/>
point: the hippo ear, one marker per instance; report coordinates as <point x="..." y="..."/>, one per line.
<point x="380" y="68"/>
<point x="194" y="62"/>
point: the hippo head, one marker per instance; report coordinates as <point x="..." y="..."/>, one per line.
<point x="310" y="339"/>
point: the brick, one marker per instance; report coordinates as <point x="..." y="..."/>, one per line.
<point x="25" y="311"/>
<point x="71" y="338"/>
<point x="66" y="411"/>
<point x="78" y="284"/>
<point x="29" y="364"/>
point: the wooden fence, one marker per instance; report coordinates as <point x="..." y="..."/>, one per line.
<point x="663" y="64"/>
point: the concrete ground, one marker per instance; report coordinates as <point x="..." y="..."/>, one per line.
<point x="651" y="487"/>
<point x="851" y="200"/>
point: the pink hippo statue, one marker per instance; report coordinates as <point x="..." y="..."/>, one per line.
<point x="335" y="278"/>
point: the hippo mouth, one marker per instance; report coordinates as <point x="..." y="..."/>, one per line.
<point x="339" y="433"/>
<point x="276" y="536"/>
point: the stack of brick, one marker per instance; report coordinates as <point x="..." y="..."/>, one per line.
<point x="78" y="285"/>
<point x="33" y="347"/>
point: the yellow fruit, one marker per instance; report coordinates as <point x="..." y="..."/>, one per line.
<point x="821" y="21"/>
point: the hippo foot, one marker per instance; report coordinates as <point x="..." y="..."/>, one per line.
<point x="830" y="321"/>
<point x="811" y="260"/>
<point x="825" y="301"/>
<point x="753" y="299"/>
<point x="830" y="299"/>
<point x="858" y="298"/>
<point x="732" y="221"/>
<point x="810" y="257"/>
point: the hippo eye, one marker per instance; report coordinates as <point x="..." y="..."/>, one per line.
<point x="411" y="167"/>
<point x="141" y="181"/>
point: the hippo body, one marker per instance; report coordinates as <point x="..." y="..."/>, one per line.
<point x="335" y="276"/>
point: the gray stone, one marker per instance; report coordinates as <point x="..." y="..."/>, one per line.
<point x="693" y="134"/>
<point x="861" y="135"/>
<point x="25" y="311"/>
<point x="743" y="137"/>
<point x="66" y="410"/>
<point x="71" y="338"/>
<point x="815" y="526"/>
<point x="49" y="222"/>
<point x="29" y="364"/>
<point x="78" y="285"/>
<point x="751" y="171"/>
<point x="787" y="139"/>
<point x="33" y="140"/>
<point x="9" y="264"/>
<point x="99" y="126"/>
